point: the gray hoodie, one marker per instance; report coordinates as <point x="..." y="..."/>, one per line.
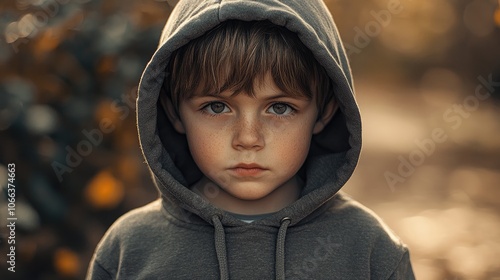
<point x="322" y="235"/>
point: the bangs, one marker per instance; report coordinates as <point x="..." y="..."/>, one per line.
<point x="235" y="56"/>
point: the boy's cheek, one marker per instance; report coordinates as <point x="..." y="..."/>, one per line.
<point x="288" y="132"/>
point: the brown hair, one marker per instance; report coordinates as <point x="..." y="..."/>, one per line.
<point x="236" y="54"/>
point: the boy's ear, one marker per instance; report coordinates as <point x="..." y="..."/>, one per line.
<point x="323" y="120"/>
<point x="172" y="115"/>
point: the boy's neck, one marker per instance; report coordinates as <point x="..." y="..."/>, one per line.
<point x="273" y="202"/>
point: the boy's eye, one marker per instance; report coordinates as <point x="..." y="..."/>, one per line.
<point x="216" y="108"/>
<point x="280" y="109"/>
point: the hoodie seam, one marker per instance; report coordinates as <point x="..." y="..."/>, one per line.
<point x="96" y="262"/>
<point x="404" y="252"/>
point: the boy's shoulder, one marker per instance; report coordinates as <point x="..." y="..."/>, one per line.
<point x="141" y="226"/>
<point x="139" y="218"/>
<point x="356" y="219"/>
<point x="135" y="231"/>
<point x="361" y="229"/>
<point x="134" y="222"/>
<point x="359" y="233"/>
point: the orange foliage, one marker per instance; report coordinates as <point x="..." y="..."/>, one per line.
<point x="104" y="191"/>
<point x="497" y="17"/>
<point x="66" y="262"/>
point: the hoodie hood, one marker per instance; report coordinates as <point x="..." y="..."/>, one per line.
<point x="334" y="152"/>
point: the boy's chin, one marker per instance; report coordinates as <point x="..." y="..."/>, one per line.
<point x="249" y="192"/>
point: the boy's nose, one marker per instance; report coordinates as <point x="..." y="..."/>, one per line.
<point x="248" y="134"/>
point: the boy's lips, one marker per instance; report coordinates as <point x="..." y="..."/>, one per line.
<point x="247" y="169"/>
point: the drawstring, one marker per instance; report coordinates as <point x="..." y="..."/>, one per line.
<point x="220" y="247"/>
<point x="280" y="249"/>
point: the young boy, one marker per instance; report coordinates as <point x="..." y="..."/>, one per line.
<point x="248" y="123"/>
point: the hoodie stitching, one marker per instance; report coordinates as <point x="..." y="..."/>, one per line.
<point x="96" y="262"/>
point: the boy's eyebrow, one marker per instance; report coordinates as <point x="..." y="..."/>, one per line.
<point x="284" y="95"/>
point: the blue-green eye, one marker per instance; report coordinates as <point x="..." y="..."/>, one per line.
<point x="281" y="109"/>
<point x="216" y="108"/>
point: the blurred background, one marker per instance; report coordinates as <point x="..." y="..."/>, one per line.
<point x="427" y="75"/>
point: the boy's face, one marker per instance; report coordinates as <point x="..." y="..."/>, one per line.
<point x="249" y="146"/>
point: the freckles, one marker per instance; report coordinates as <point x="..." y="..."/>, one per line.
<point x="202" y="141"/>
<point x="210" y="142"/>
<point x="297" y="142"/>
